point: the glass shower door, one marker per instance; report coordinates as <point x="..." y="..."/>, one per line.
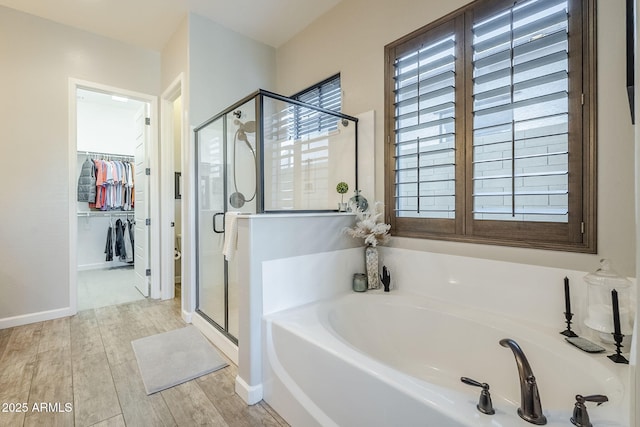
<point x="211" y="281"/>
<point x="226" y="162"/>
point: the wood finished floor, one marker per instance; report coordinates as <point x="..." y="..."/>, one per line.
<point x="86" y="362"/>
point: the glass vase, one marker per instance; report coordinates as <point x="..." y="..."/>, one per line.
<point x="359" y="282"/>
<point x="359" y="201"/>
<point x="371" y="261"/>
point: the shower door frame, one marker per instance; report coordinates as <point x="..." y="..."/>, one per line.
<point x="258" y="97"/>
<point x="224" y="330"/>
<point x="260" y="94"/>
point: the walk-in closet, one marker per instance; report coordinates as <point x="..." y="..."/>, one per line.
<point x="111" y="192"/>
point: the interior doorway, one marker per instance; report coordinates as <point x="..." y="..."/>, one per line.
<point x="111" y="256"/>
<point x="173" y="246"/>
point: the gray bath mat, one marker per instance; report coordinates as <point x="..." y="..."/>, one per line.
<point x="174" y="357"/>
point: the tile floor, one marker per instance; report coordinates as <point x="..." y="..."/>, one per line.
<point x="83" y="370"/>
<point x="104" y="287"/>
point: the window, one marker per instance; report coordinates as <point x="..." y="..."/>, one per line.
<point x="490" y="126"/>
<point x="328" y="95"/>
<point x="300" y="143"/>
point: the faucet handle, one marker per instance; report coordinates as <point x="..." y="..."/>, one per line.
<point x="598" y="398"/>
<point x="484" y="404"/>
<point x="580" y="416"/>
<point x="475" y="383"/>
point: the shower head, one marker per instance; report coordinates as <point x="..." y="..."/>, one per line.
<point x="249" y="127"/>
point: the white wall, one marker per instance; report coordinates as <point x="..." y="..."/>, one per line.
<point x="350" y="39"/>
<point x="263" y="238"/>
<point x="224" y="67"/>
<point x="106" y="128"/>
<point x="175" y="63"/>
<point x="175" y="55"/>
<point x="37" y="58"/>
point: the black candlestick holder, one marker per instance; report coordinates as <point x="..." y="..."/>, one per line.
<point x="568" y="332"/>
<point x="618" y="357"/>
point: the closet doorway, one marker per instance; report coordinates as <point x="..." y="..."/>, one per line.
<point x="112" y="136"/>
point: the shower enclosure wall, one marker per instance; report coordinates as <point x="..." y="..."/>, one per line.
<point x="265" y="154"/>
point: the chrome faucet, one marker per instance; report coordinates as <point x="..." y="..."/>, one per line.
<point x="530" y="407"/>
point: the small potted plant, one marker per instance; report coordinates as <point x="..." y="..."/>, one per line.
<point x="342" y="189"/>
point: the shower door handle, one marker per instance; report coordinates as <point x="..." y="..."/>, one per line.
<point x="214" y="222"/>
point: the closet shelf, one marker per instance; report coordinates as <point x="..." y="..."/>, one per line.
<point x="107" y="213"/>
<point x="107" y="156"/>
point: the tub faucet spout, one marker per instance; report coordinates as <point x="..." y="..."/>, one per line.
<point x="530" y="407"/>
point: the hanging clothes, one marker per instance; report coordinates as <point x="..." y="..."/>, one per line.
<point x="133" y="193"/>
<point x="128" y="244"/>
<point x="100" y="182"/>
<point x="107" y="184"/>
<point x="109" y="246"/>
<point x="87" y="182"/>
<point x="131" y="226"/>
<point x="121" y="251"/>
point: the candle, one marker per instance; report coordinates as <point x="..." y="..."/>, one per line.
<point x="567" y="300"/>
<point x="616" y="312"/>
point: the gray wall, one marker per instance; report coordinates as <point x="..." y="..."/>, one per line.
<point x="224" y="67"/>
<point x="37" y="58"/>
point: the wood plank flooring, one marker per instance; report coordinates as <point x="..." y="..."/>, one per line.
<point x="81" y="371"/>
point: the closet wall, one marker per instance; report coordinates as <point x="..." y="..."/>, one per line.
<point x="104" y="126"/>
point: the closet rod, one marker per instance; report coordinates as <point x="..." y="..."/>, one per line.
<point x="107" y="155"/>
<point x="107" y="213"/>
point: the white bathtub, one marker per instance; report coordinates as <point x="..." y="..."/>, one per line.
<point x="388" y="359"/>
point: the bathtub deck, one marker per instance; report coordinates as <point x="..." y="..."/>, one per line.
<point x="87" y="360"/>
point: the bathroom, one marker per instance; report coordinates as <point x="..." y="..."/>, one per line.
<point x="348" y="39"/>
<point x="515" y="282"/>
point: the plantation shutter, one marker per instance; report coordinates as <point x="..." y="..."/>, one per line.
<point x="521" y="113"/>
<point x="424" y="104"/>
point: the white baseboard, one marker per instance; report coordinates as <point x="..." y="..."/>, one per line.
<point x="215" y="336"/>
<point x="25" y="319"/>
<point x="103" y="265"/>
<point x="187" y="316"/>
<point x="250" y="394"/>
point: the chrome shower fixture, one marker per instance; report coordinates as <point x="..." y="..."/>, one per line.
<point x="249" y="127"/>
<point x="237" y="198"/>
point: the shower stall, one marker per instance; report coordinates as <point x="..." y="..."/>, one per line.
<point x="264" y="154"/>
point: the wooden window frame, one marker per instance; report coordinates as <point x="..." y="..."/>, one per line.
<point x="576" y="235"/>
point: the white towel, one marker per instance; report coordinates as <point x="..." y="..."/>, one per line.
<point x="230" y="235"/>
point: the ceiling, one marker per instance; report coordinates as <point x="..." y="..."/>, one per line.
<point x="87" y="96"/>
<point x="150" y="23"/>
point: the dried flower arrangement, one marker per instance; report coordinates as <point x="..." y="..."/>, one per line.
<point x="368" y="226"/>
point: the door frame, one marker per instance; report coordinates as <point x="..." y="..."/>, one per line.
<point x="167" y="199"/>
<point x="154" y="253"/>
